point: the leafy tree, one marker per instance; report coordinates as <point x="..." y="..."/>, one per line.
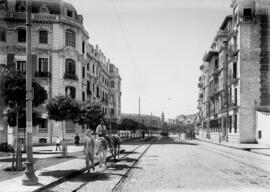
<point x="129" y="124"/>
<point x="90" y="114"/>
<point x="15" y="97"/>
<point x="63" y="108"/>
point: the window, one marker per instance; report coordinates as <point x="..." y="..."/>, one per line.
<point x="234" y="70"/>
<point x="88" y="66"/>
<point x="22" y="35"/>
<point x="43" y="65"/>
<point x="97" y="92"/>
<point x="260" y="134"/>
<point x="2" y="35"/>
<point x="21" y="66"/>
<point x="235" y="96"/>
<point x="43" y="123"/>
<point x="93" y="69"/>
<point x="83" y="72"/>
<point x="83" y="96"/>
<point x="70" y="67"/>
<point x="216" y="63"/>
<point x="88" y="86"/>
<point x="235" y="123"/>
<point x="83" y="47"/>
<point x="69" y="13"/>
<point x="71" y="91"/>
<point x="247" y="12"/>
<point x="112" y="84"/>
<point x="70" y="38"/>
<point x="43" y="37"/>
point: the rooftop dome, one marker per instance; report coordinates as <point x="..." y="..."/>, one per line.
<point x="57" y="7"/>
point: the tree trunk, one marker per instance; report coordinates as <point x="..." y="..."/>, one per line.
<point x="64" y="145"/>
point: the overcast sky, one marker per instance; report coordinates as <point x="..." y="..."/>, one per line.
<point x="158" y="47"/>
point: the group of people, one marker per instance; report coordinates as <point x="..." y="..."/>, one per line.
<point x="89" y="143"/>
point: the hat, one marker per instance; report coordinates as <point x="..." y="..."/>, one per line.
<point x="89" y="131"/>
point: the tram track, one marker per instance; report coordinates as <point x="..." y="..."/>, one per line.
<point x="69" y="179"/>
<point x="119" y="186"/>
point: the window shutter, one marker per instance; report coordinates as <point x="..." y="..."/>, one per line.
<point x="10" y="61"/>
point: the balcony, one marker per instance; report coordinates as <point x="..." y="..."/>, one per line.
<point x="71" y="76"/>
<point x="42" y="74"/>
<point x="48" y="18"/>
<point x="233" y="105"/>
<point x="233" y="78"/>
<point x="222" y="33"/>
<point x="232" y="50"/>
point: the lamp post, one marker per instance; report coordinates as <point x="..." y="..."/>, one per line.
<point x="110" y="105"/>
<point x="29" y="176"/>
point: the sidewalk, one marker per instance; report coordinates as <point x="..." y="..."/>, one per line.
<point x="262" y="149"/>
<point x="53" y="174"/>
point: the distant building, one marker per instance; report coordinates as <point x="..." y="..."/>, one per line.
<point x="147" y="120"/>
<point x="235" y="77"/>
<point x="186" y="119"/>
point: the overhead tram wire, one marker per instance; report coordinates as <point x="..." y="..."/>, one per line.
<point x="122" y="30"/>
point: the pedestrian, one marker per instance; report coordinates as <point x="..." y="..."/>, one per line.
<point x="77" y="140"/>
<point x="58" y="144"/>
<point x="89" y="149"/>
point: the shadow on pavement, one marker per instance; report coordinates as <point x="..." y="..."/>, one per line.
<point x="121" y="167"/>
<point x="130" y="152"/>
<point x="59" y="173"/>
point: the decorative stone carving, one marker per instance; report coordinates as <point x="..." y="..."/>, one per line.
<point x="22" y="7"/>
<point x="44" y="9"/>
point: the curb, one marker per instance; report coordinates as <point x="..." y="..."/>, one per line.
<point x="69" y="176"/>
<point x="238" y="148"/>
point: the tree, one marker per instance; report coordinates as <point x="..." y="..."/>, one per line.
<point x="63" y="108"/>
<point x="15" y="98"/>
<point x="91" y="114"/>
<point x="129" y="124"/>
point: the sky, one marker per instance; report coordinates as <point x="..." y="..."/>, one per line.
<point x="158" y="46"/>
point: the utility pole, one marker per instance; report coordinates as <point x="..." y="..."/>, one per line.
<point x="139" y="116"/>
<point x="151" y="124"/>
<point x="29" y="176"/>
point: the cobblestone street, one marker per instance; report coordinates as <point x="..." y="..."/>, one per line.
<point x="170" y="165"/>
<point x="173" y="165"/>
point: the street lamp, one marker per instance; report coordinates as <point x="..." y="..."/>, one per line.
<point x="110" y="105"/>
<point x="29" y="176"/>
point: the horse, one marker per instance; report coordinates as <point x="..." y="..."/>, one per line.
<point x="101" y="150"/>
<point x="114" y="143"/>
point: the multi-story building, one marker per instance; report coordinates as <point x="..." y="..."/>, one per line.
<point x="147" y="120"/>
<point x="64" y="62"/>
<point x="235" y="79"/>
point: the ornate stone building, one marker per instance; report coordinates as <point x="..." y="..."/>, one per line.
<point x="235" y="79"/>
<point x="64" y="62"/>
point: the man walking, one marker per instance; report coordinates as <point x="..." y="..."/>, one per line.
<point x="89" y="149"/>
<point x="58" y="144"/>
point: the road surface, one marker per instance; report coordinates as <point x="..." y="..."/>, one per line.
<point x="178" y="165"/>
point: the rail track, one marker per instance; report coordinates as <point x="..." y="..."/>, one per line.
<point x="120" y="183"/>
<point x="119" y="186"/>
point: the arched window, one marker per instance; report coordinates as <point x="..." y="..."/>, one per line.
<point x="43" y="36"/>
<point x="70" y="38"/>
<point x="22" y="35"/>
<point x="70" y="91"/>
<point x="70" y="67"/>
<point x="2" y="34"/>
